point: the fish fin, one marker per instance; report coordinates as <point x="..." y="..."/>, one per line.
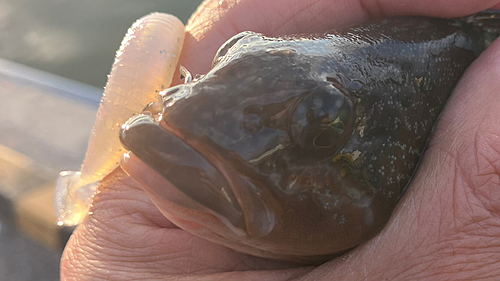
<point x="488" y="22"/>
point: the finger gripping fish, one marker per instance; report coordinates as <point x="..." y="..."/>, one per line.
<point x="299" y="147"/>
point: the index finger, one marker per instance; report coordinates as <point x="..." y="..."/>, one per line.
<point x="215" y="21"/>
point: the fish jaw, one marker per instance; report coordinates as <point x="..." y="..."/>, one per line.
<point x="191" y="175"/>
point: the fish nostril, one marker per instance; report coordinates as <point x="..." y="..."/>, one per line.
<point x="170" y="95"/>
<point x="168" y="102"/>
<point x="252" y="123"/>
<point x="152" y="108"/>
<point x="170" y="91"/>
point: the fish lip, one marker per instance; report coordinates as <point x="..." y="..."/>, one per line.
<point x="144" y="144"/>
<point x="204" y="150"/>
<point x="256" y="206"/>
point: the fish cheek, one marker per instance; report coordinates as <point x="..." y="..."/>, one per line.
<point x="329" y="208"/>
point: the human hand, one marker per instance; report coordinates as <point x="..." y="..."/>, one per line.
<point x="445" y="227"/>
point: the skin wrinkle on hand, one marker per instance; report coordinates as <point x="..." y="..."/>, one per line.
<point x="450" y="131"/>
<point x="479" y="106"/>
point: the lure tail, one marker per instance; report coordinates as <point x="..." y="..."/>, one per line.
<point x="488" y="22"/>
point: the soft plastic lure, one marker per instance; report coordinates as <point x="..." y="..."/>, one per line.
<point x="144" y="65"/>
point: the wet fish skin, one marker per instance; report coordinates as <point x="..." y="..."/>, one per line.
<point x="315" y="136"/>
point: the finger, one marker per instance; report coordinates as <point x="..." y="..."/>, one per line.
<point x="216" y="21"/>
<point x="125" y="237"/>
<point x="446" y="227"/>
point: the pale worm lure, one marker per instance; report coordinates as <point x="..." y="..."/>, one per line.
<point x="144" y="65"/>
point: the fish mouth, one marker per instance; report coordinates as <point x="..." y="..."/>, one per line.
<point x="194" y="168"/>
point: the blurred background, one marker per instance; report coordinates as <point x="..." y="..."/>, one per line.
<point x="54" y="59"/>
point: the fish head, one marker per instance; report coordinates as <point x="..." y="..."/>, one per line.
<point x="263" y="99"/>
<point x="247" y="153"/>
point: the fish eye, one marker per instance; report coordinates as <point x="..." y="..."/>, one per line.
<point x="322" y="122"/>
<point x="327" y="137"/>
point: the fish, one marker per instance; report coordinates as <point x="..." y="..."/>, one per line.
<point x="299" y="147"/>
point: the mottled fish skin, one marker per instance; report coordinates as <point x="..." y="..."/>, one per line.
<point x="317" y="136"/>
